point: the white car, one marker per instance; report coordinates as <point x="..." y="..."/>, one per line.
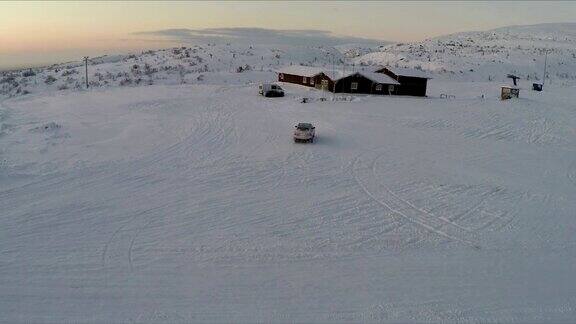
<point x="304" y="132"/>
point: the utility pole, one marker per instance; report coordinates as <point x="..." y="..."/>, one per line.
<point x="545" y="62"/>
<point x="333" y="66"/>
<point x="333" y="76"/>
<point x="86" y="64"/>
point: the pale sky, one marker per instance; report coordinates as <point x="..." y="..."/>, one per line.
<point x="50" y="28"/>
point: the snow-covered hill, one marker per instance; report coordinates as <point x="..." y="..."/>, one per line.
<point x="199" y="64"/>
<point x="489" y="55"/>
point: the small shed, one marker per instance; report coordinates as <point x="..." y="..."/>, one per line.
<point x="323" y="81"/>
<point x="507" y="92"/>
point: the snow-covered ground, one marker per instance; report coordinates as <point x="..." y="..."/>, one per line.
<point x="192" y="203"/>
<point x="189" y="202"/>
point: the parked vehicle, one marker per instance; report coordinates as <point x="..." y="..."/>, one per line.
<point x="270" y="90"/>
<point x="304" y="132"/>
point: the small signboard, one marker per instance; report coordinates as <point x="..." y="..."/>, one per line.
<point x="509" y="92"/>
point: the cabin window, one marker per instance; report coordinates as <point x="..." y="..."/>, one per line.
<point x="281" y="75"/>
<point x="378" y="87"/>
<point x="354" y="86"/>
<point x="390" y="88"/>
<point x="304" y="80"/>
<point x="312" y="81"/>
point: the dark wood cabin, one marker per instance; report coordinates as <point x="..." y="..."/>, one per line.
<point x="382" y="84"/>
<point x="338" y="81"/>
<point x="365" y="83"/>
<point x="412" y="82"/>
<point x="302" y="75"/>
<point x="353" y="83"/>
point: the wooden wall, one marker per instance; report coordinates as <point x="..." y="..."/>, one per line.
<point x="409" y="86"/>
<point x="297" y="79"/>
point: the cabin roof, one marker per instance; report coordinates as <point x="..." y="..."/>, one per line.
<point x="338" y="74"/>
<point x="374" y="77"/>
<point x="335" y="75"/>
<point x="407" y="72"/>
<point x="379" y="78"/>
<point x="306" y="71"/>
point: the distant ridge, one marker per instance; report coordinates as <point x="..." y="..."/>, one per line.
<point x="488" y="55"/>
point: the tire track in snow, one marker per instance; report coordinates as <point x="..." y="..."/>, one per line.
<point x="107" y="246"/>
<point x="572" y="173"/>
<point x="218" y="132"/>
<point x="414" y="215"/>
<point x="392" y="223"/>
<point x="124" y="238"/>
<point x="209" y="131"/>
<point x="479" y="223"/>
<point x="182" y="149"/>
<point x="124" y="244"/>
<point x="134" y="237"/>
<point x="429" y="214"/>
<point x="101" y="173"/>
<point x="278" y="172"/>
<point x="475" y="208"/>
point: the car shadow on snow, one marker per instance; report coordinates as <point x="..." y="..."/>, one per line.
<point x="326" y="140"/>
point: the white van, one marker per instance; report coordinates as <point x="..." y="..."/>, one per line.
<point x="270" y="90"/>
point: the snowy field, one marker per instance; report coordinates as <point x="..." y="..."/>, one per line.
<point x="191" y="203"/>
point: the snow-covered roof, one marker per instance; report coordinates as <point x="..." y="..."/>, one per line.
<point x="338" y="74"/>
<point x="408" y="72"/>
<point x="335" y="75"/>
<point x="379" y="78"/>
<point x="307" y="71"/>
<point x="375" y="77"/>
